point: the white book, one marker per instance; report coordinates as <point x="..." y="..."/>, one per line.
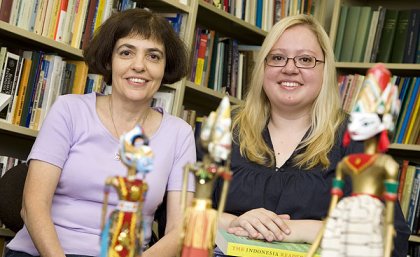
<point x="60" y="24"/>
<point x="371" y="36"/>
<point x="14" y="13"/>
<point x="25" y="13"/>
<point x="8" y="73"/>
<point x="4" y="100"/>
<point x="238" y="9"/>
<point x="40" y="16"/>
<point x="68" y="22"/>
<point x="107" y="10"/>
<point x="32" y="18"/>
<point x="79" y="23"/>
<point x="240" y="76"/>
<point x="3" y="165"/>
<point x="51" y="85"/>
<point x="59" y="80"/>
<point x="47" y="19"/>
<point x="164" y="99"/>
<point x="16" y="83"/>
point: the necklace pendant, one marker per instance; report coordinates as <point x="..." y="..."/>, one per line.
<point x="117" y="157"/>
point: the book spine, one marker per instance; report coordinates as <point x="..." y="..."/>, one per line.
<point x="61" y="19"/>
<point x="40" y="16"/>
<point x="387" y="36"/>
<point x="412" y="37"/>
<point x="16" y="82"/>
<point x="201" y="54"/>
<point x="22" y="90"/>
<point x="47" y="19"/>
<point x="5" y="10"/>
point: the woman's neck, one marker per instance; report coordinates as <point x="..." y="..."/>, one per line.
<point x="284" y="122"/>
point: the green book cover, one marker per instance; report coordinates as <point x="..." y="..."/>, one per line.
<point x="241" y="246"/>
<point x="387" y="36"/>
<point x="350" y="33"/>
<point x="362" y="34"/>
<point x="378" y="33"/>
<point x="340" y="30"/>
<point x="397" y="53"/>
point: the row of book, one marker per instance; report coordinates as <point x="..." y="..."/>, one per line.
<point x="164" y="99"/>
<point x="72" y="22"/>
<point x="409" y="194"/>
<point x="34" y="79"/>
<point x="264" y="13"/>
<point x="381" y="35"/>
<point x="220" y="63"/>
<point x="407" y="130"/>
<point x="6" y="163"/>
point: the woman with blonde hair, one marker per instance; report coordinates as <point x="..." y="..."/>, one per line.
<point x="287" y="139"/>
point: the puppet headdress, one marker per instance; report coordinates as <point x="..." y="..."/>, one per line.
<point x="379" y="96"/>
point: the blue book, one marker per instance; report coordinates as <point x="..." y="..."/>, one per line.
<point x="258" y="12"/>
<point x="409" y="108"/>
<point x="403" y="88"/>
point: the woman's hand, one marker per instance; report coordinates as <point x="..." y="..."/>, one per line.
<point x="260" y="224"/>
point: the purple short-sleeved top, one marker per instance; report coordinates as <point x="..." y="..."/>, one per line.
<point x="73" y="138"/>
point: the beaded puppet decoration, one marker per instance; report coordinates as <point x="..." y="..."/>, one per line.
<point x="363" y="224"/>
<point x="122" y="235"/>
<point x="200" y="220"/>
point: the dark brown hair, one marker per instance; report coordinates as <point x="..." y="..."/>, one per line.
<point x="148" y="25"/>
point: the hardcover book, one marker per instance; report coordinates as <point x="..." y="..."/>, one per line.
<point x="241" y="246"/>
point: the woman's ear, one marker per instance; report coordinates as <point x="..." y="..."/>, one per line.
<point x="108" y="66"/>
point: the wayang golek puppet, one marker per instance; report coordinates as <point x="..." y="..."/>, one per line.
<point x="200" y="219"/>
<point x="363" y="224"/>
<point x="122" y="234"/>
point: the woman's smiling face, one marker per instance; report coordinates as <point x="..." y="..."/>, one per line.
<point x="291" y="87"/>
<point x="138" y="67"/>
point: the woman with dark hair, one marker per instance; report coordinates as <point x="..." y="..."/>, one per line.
<point x="77" y="148"/>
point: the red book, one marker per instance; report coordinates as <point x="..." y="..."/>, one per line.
<point x="403" y="172"/>
<point x="90" y="21"/>
<point x="59" y="26"/>
<point x="200" y="57"/>
<point x="5" y="10"/>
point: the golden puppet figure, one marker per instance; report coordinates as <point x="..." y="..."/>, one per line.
<point x="361" y="224"/>
<point x="122" y="234"/>
<point x="200" y="220"/>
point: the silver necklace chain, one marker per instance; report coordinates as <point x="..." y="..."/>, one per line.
<point x="142" y="119"/>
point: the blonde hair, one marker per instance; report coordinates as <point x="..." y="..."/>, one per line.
<point x="326" y="116"/>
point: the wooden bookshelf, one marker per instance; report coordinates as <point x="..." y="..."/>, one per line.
<point x="20" y="38"/>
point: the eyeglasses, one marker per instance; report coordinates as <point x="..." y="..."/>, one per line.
<point x="301" y="61"/>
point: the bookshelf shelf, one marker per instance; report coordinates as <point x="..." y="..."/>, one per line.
<point x="404" y="69"/>
<point x="20" y="36"/>
<point x="17" y="130"/>
<point x="228" y="24"/>
<point x="5" y="232"/>
<point x="18" y="140"/>
<point x="405" y="151"/>
<point x="414" y="238"/>
<point x="168" y="5"/>
<point x="204" y="99"/>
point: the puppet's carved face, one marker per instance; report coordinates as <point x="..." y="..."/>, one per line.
<point x="364" y="125"/>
